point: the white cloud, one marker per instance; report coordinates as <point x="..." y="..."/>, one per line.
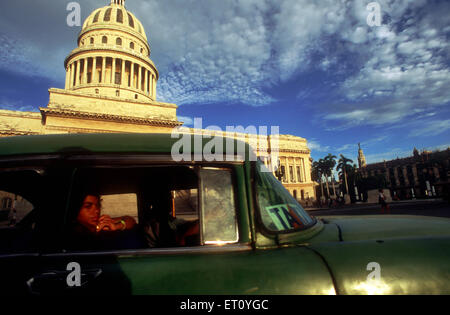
<point x="188" y="121"/>
<point x="15" y="105"/>
<point x="314" y="145"/>
<point x="235" y="51"/>
<point x="431" y="128"/>
<point x="406" y="71"/>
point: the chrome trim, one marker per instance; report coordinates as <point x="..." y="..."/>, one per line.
<point x="27" y="157"/>
<point x="207" y="249"/>
<point x="18" y="255"/>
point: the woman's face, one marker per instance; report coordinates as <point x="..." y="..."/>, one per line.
<point x="90" y="212"/>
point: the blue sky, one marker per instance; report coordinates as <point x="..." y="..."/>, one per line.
<point x="314" y="68"/>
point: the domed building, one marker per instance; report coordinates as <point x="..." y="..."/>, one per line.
<point x="111" y="85"/>
<point x="112" y="57"/>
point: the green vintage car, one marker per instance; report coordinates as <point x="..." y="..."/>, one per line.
<point x="201" y="226"/>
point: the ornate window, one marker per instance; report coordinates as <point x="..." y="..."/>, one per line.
<point x="119" y="41"/>
<point x="104" y="40"/>
<point x="130" y="20"/>
<point x="132" y="45"/>
<point x="92" y="40"/>
<point x="96" y="17"/>
<point x="107" y="17"/>
<point x="119" y="18"/>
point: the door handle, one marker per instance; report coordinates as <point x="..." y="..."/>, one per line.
<point x="53" y="281"/>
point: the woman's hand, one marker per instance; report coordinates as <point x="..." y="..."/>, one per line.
<point x="106" y="223"/>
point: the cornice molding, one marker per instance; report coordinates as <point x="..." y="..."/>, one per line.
<point x="109" y="98"/>
<point x="108" y="117"/>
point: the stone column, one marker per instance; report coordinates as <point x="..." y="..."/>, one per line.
<point x="140" y="78"/>
<point x="132" y="76"/>
<point x="67" y="77"/>
<point x="146" y="81"/>
<point x="288" y="173"/>
<point x="305" y="179"/>
<point x="297" y="180"/>
<point x="405" y="175"/>
<point x="94" y="70"/>
<point x="397" y="180"/>
<point x="113" y="71"/>
<point x="77" y="79"/>
<point x="150" y="84"/>
<point x="154" y="87"/>
<point x="103" y="69"/>
<point x="71" y="75"/>
<point x="123" y="73"/>
<point x="85" y="70"/>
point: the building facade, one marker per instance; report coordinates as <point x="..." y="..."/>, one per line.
<point x="421" y="175"/>
<point x="110" y="86"/>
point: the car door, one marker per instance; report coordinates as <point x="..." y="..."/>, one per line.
<point x="37" y="193"/>
<point x="224" y="261"/>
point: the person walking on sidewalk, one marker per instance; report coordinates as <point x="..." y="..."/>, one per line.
<point x="382" y="201"/>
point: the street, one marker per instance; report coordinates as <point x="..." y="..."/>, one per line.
<point x="435" y="207"/>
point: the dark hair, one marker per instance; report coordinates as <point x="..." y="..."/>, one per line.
<point x="79" y="204"/>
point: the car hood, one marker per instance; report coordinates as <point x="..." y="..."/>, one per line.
<point x="410" y="253"/>
<point x="352" y="228"/>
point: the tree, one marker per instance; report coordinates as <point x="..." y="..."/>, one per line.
<point x="344" y="166"/>
<point x="324" y="167"/>
<point x="331" y="163"/>
<point x="317" y="173"/>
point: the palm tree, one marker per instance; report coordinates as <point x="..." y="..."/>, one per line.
<point x="324" y="166"/>
<point x="344" y="167"/>
<point x="317" y="173"/>
<point x="331" y="161"/>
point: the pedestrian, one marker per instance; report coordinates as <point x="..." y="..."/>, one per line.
<point x="382" y="201"/>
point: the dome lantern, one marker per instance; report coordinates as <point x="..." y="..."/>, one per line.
<point x="118" y="2"/>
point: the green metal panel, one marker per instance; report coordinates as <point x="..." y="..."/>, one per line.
<point x="391" y="226"/>
<point x="104" y="143"/>
<point x="413" y="253"/>
<point x="407" y="266"/>
<point x="242" y="204"/>
<point x="294" y="270"/>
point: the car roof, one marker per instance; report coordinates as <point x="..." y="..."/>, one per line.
<point x="104" y="143"/>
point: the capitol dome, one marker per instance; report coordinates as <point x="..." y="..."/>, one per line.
<point x="113" y="57"/>
<point x="117" y="16"/>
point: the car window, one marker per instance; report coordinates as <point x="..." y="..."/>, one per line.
<point x="279" y="211"/>
<point x="116" y="205"/>
<point x="13" y="209"/>
<point x="163" y="202"/>
<point x="219" y="209"/>
<point x="32" y="202"/>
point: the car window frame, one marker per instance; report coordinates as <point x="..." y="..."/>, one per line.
<point x="37" y="164"/>
<point x="110" y="161"/>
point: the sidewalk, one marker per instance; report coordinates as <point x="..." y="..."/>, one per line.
<point x="364" y="204"/>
